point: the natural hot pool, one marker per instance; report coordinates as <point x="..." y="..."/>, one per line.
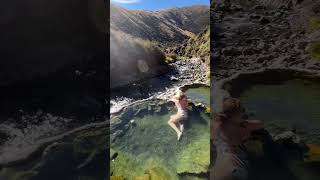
<point x="293" y="104"/>
<point x="199" y="95"/>
<point x="284" y="101"/>
<point x="147" y="147"/>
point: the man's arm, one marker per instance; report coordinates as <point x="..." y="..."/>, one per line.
<point x="174" y="100"/>
<point x="213" y="130"/>
<point x="253" y="125"/>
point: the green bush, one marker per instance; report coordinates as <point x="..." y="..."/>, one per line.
<point x="314" y="24"/>
<point x="314" y="50"/>
<point x="171" y="57"/>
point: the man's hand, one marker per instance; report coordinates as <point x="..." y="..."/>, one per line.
<point x="253" y="125"/>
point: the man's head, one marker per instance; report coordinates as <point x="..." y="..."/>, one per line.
<point x="232" y="109"/>
<point x="180" y="95"/>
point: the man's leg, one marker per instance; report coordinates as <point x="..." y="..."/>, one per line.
<point x="172" y="124"/>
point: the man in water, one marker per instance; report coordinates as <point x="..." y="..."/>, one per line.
<point x="181" y="102"/>
<point x="229" y="131"/>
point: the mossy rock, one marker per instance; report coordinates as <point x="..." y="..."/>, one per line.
<point x="158" y="173"/>
<point x="144" y="177"/>
<point x="195" y="158"/>
<point x="314" y="50"/>
<point x="117" y="178"/>
<point x="126" y="165"/>
<point x="113" y="153"/>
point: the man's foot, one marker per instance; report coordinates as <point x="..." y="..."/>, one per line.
<point x="179" y="136"/>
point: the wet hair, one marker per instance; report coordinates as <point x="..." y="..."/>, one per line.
<point x="230" y="107"/>
<point x="180" y="95"/>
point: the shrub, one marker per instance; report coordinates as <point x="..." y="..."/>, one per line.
<point x="314" y="50"/>
<point x="314" y="24"/>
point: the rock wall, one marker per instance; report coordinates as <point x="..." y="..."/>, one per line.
<point x="253" y="35"/>
<point x="39" y="38"/>
<point x="53" y="49"/>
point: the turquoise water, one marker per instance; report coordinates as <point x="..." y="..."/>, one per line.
<point x="291" y="105"/>
<point x="150" y="143"/>
<point x="199" y="95"/>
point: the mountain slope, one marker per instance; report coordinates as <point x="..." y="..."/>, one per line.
<point x="199" y="46"/>
<point x="167" y="26"/>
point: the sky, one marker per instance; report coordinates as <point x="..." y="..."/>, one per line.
<point x="157" y="4"/>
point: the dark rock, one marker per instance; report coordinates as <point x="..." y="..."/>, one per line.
<point x="301" y="45"/>
<point x="290" y="140"/>
<point x="46" y="45"/>
<point x="256" y="17"/>
<point x="250" y="51"/>
<point x="231" y="51"/>
<point x="264" y="21"/>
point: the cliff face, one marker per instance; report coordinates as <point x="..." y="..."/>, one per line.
<point x="52" y="49"/>
<point x="198" y="46"/>
<point x="41" y="37"/>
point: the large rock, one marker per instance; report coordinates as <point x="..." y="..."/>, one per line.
<point x="77" y="154"/>
<point x="54" y="55"/>
<point x="39" y="38"/>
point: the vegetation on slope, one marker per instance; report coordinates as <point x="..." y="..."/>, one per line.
<point x="198" y="46"/>
<point x="314" y="50"/>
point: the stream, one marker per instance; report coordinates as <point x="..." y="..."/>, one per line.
<point x="181" y="73"/>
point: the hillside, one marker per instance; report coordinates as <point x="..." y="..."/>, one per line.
<point x="253" y="35"/>
<point x="198" y="46"/>
<point x="168" y="26"/>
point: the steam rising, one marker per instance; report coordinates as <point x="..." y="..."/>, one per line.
<point x="132" y="59"/>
